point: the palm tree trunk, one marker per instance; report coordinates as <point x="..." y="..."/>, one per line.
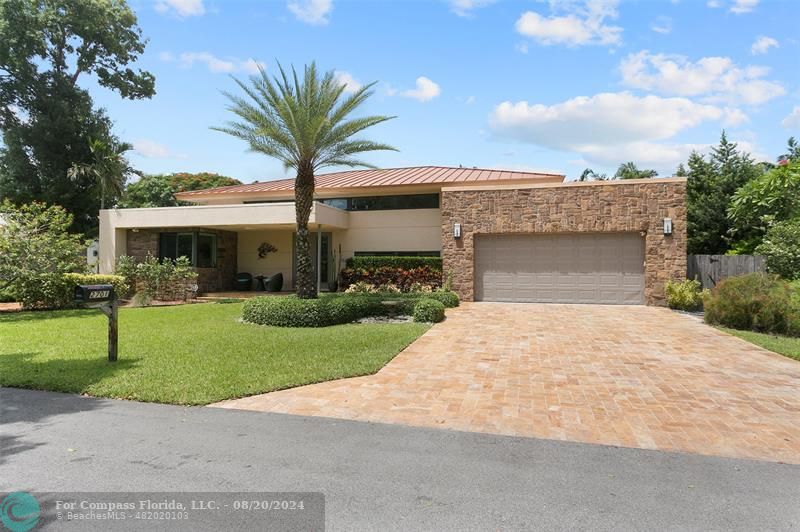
<point x="303" y="201"/>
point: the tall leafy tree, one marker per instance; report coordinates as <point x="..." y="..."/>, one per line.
<point x="305" y="124"/>
<point x="46" y="118"/>
<point x="109" y="168"/>
<point x="710" y="187"/>
<point x="629" y="170"/>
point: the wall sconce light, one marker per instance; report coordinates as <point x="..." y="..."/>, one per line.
<point x="457" y="231"/>
<point x="667" y="226"/>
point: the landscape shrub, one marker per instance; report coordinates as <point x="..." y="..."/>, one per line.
<point x="758" y="301"/>
<point x="36" y="249"/>
<point x="428" y="310"/>
<point x="448" y="298"/>
<point x="781" y="248"/>
<point x="684" y="295"/>
<point x="404" y="263"/>
<point x="402" y="278"/>
<point x="165" y="280"/>
<point x="334" y="309"/>
<point x="57" y="291"/>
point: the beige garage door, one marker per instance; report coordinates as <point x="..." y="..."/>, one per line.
<point x="603" y="268"/>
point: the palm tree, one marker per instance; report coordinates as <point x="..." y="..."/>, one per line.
<point x="304" y="124"/>
<point x="630" y="171"/>
<point x="109" y="168"/>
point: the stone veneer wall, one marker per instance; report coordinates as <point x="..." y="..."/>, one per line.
<point x="617" y="207"/>
<point x="221" y="278"/>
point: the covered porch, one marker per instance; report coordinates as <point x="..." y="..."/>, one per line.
<point x="224" y="240"/>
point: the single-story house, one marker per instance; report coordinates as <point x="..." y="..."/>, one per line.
<point x="503" y="235"/>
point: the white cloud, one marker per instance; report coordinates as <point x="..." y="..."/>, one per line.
<point x="521" y="47"/>
<point x="743" y="6"/>
<point x="215" y="64"/>
<point x="151" y="149"/>
<point x="662" y="25"/>
<point x="314" y="12"/>
<point x="425" y="91"/>
<point x="763" y="44"/>
<point x="350" y="83"/>
<point x="792" y="119"/>
<point x="251" y="66"/>
<point x="608" y="128"/>
<point x="181" y="8"/>
<point x="717" y="79"/>
<point x="573" y="23"/>
<point x="713" y="4"/>
<point x="470" y="100"/>
<point x="464" y="8"/>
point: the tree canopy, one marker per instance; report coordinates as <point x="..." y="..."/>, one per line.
<point x="711" y="185"/>
<point x="47" y="119"/>
<point x="629" y="170"/>
<point x="159" y="190"/>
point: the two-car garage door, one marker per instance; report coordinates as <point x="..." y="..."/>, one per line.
<point x="605" y="268"/>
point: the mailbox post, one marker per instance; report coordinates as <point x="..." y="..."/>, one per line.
<point x="102" y="296"/>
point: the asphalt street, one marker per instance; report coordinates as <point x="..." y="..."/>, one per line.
<point x="382" y="477"/>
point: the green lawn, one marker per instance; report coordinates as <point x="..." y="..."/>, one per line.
<point x="190" y="354"/>
<point x="784" y="345"/>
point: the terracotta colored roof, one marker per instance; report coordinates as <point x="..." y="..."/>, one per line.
<point x="387" y="177"/>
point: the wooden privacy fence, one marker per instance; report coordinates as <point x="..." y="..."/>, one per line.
<point x="711" y="269"/>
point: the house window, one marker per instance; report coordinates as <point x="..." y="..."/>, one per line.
<point x="375" y="203"/>
<point x="384" y="203"/>
<point x="397" y="253"/>
<point x="199" y="248"/>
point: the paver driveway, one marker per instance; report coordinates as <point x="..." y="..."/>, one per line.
<point x="631" y="376"/>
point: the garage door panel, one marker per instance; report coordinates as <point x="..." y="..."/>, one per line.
<point x="562" y="268"/>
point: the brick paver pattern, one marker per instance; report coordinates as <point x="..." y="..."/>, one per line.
<point x="630" y="376"/>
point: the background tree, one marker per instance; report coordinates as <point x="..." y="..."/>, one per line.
<point x="792" y="152"/>
<point x="630" y="171"/>
<point x="759" y="204"/>
<point x="159" y="190"/>
<point x="710" y="187"/>
<point x="109" y="168"/>
<point x="45" y="117"/>
<point x="304" y="124"/>
<point x="590" y="175"/>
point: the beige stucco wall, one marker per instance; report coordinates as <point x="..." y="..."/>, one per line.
<point x="400" y="230"/>
<point x="277" y="262"/>
<point x="396" y="230"/>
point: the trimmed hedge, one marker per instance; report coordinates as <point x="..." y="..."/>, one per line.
<point x="406" y="263"/>
<point x="428" y="310"/>
<point x="389" y="275"/>
<point x="54" y="291"/>
<point x="335" y="309"/>
<point x="758" y="301"/>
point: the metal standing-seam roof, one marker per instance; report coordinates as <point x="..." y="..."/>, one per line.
<point x="386" y="177"/>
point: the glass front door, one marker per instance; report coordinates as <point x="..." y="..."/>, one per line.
<point x="326" y="258"/>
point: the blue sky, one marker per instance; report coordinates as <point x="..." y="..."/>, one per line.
<point x="557" y="86"/>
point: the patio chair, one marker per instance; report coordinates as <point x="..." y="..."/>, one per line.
<point x="275" y="283"/>
<point x="244" y="282"/>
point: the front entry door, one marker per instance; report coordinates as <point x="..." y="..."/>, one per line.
<point x="325" y="263"/>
